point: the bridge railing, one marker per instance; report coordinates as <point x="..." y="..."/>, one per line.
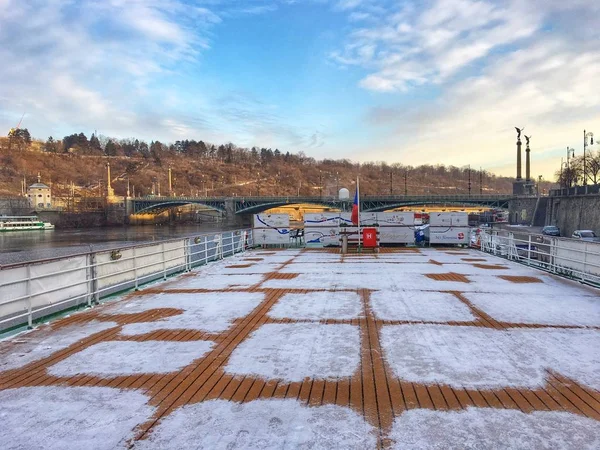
<point x="333" y="197"/>
<point x="572" y="258"/>
<point x="31" y="291"/>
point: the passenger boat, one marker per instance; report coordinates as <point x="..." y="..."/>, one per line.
<point x="23" y="223"/>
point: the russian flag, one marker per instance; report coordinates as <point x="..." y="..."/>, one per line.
<point x="354" y="216"/>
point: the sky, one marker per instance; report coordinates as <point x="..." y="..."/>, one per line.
<point x="414" y="81"/>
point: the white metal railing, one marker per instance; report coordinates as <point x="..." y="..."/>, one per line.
<point x="571" y="258"/>
<point x="29" y="291"/>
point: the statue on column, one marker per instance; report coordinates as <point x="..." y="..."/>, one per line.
<point x="519" y="130"/>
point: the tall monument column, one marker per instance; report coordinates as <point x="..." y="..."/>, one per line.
<point x="519" y="177"/>
<point x="527" y="161"/>
<point x="110" y="192"/>
<point x="519" y="184"/>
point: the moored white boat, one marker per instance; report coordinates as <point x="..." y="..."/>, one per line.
<point x="23" y="223"/>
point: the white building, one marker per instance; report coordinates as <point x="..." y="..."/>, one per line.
<point x="39" y="195"/>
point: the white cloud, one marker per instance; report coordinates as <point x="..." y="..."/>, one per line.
<point x="495" y="64"/>
<point x="119" y="67"/>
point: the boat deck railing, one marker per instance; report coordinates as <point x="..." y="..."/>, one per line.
<point x="571" y="258"/>
<point x="34" y="290"/>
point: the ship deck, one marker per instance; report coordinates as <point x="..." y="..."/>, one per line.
<point x="408" y="348"/>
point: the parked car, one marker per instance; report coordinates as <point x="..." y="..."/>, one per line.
<point x="551" y="230"/>
<point x="585" y="235"/>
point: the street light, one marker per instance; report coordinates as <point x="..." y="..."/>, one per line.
<point x="590" y="135"/>
<point x="320" y="184"/>
<point x="571" y="153"/>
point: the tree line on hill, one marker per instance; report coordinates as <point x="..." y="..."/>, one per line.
<point x="226" y="169"/>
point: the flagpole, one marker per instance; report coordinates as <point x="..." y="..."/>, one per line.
<point x="358" y="207"/>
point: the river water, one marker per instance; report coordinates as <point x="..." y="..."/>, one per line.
<point x="18" y="247"/>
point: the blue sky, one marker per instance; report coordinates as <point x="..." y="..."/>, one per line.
<point x="414" y="81"/>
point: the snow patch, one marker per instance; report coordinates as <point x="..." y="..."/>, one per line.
<point x="572" y="353"/>
<point x="257" y="268"/>
<point x="318" y="305"/>
<point x="291" y="352"/>
<point x="210" y="311"/>
<point x="419" y="306"/>
<point x="480" y="428"/>
<point x="70" y="417"/>
<point x="476" y="357"/>
<point x="116" y="358"/>
<point x="540" y="309"/>
<point x="217" y="281"/>
<point x="24" y="349"/>
<point x="261" y="424"/>
<point x="460" y="356"/>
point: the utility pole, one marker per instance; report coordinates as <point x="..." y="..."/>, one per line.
<point x="469" y="180"/>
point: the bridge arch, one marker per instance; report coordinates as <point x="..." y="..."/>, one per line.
<point x="403" y="204"/>
<point x="259" y="207"/>
<point x="159" y="206"/>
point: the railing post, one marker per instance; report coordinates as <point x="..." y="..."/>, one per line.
<point x="219" y="248"/>
<point x="94" y="274"/>
<point x="135" y="272"/>
<point x="29" y="308"/>
<point x="529" y="250"/>
<point x="553" y="254"/>
<point x="585" y="252"/>
<point x="162" y="249"/>
<point x="188" y="254"/>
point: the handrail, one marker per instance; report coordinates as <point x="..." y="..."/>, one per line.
<point x="109" y="249"/>
<point x="571" y="258"/>
<point x="97" y="274"/>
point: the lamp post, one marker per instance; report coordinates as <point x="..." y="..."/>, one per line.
<point x="480" y="181"/>
<point x="570" y="153"/>
<point x="391" y="182"/>
<point x="337" y="182"/>
<point x="405" y="182"/>
<point x="320" y="184"/>
<point x="587" y="135"/>
<point x="258" y="184"/>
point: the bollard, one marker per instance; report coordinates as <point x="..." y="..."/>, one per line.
<point x="344" y="244"/>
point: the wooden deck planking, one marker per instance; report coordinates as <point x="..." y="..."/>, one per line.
<point x="373" y="390"/>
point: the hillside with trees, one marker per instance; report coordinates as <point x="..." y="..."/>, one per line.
<point x="77" y="162"/>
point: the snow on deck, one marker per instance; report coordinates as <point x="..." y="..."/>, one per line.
<point x="427" y="348"/>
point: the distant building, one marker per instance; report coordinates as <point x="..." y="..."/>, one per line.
<point x="39" y="195"/>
